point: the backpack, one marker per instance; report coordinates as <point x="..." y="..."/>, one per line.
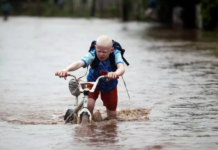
<point x="116" y="45"/>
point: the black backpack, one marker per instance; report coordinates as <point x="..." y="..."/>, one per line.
<point x="117" y="45"/>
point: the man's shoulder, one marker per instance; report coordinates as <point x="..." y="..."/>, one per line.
<point x="117" y="51"/>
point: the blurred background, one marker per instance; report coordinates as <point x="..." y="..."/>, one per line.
<point x="200" y="14"/>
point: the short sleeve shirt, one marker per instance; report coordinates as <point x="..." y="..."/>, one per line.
<point x="103" y="85"/>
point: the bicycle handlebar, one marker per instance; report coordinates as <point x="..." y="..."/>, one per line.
<point x="103" y="75"/>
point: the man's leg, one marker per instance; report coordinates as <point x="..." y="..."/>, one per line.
<point x="91" y="105"/>
<point x="110" y="102"/>
<point x="92" y="98"/>
<point x="111" y="114"/>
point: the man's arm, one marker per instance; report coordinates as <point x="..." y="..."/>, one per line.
<point x="119" y="72"/>
<point x="74" y="66"/>
<point x="120" y="69"/>
<point x="71" y="67"/>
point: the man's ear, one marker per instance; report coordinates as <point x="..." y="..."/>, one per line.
<point x="112" y="49"/>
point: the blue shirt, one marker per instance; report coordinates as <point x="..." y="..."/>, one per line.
<point x="103" y="85"/>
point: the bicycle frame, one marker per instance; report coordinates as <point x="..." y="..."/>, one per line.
<point x="84" y="103"/>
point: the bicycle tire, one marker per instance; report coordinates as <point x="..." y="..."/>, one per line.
<point x="84" y="119"/>
<point x="68" y="112"/>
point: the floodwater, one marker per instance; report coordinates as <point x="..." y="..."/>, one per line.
<point x="172" y="84"/>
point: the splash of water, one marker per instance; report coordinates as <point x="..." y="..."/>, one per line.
<point x="133" y="115"/>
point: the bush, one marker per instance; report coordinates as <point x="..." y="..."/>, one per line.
<point x="209" y="14"/>
<point x="113" y="11"/>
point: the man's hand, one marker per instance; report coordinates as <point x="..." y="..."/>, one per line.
<point x="111" y="75"/>
<point x="71" y="67"/>
<point x="61" y="74"/>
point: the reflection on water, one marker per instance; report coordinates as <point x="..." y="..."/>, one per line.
<point x="172" y="81"/>
<point x="92" y="135"/>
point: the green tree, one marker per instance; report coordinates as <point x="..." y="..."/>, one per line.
<point x="209" y="14"/>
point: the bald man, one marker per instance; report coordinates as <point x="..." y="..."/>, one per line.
<point x="102" y="51"/>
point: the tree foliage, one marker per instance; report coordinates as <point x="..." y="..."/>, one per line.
<point x="209" y="11"/>
<point x="209" y="14"/>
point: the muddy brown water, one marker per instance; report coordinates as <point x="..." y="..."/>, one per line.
<point x="172" y="84"/>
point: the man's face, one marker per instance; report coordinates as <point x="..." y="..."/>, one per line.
<point x="103" y="52"/>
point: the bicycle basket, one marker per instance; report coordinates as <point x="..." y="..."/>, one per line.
<point x="73" y="87"/>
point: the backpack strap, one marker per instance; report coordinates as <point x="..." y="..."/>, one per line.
<point x="92" y="45"/>
<point x="119" y="47"/>
<point x="96" y="61"/>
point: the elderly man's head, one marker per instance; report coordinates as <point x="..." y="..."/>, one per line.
<point x="104" y="46"/>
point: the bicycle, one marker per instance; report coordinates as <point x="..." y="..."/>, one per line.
<point x="81" y="108"/>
